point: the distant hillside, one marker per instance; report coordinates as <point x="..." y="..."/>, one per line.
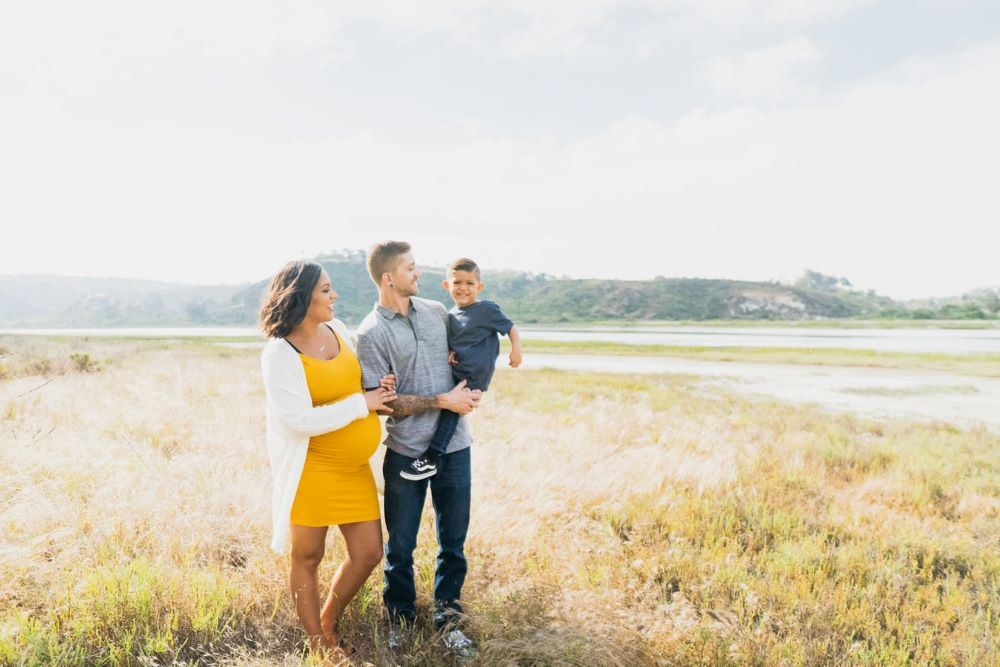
<point x="60" y="301"/>
<point x="978" y="304"/>
<point x="49" y="301"/>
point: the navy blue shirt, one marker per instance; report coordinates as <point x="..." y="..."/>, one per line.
<point x="472" y="334"/>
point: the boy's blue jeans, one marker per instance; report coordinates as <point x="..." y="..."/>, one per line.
<point x="448" y="422"/>
<point x="444" y="432"/>
<point x="451" y="491"/>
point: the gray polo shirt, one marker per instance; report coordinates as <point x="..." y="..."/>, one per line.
<point x="415" y="348"/>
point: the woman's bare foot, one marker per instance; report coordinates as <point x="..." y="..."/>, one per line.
<point x="330" y="631"/>
<point x="327" y="651"/>
<point x="329" y="624"/>
<point x="321" y="643"/>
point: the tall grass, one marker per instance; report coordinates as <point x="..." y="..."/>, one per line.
<point x="616" y="520"/>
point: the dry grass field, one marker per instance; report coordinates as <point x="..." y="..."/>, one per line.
<point x="637" y="521"/>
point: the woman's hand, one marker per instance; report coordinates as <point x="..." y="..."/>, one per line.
<point x="376" y="399"/>
<point x="388" y="381"/>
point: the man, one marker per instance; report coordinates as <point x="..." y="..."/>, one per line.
<point x="407" y="336"/>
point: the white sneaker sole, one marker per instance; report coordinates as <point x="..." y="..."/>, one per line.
<point x="415" y="477"/>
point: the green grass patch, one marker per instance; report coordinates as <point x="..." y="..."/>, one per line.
<point x="789" y="324"/>
<point x="121" y="612"/>
<point x="918" y="390"/>
<point x="969" y="364"/>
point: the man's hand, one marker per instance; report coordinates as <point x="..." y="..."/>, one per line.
<point x="515" y="357"/>
<point x="452" y="358"/>
<point x="459" y="399"/>
<point x="388" y="382"/>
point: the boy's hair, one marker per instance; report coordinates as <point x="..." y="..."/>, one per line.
<point x="465" y="264"/>
<point x="382" y="258"/>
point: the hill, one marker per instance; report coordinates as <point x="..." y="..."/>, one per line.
<point x="61" y="301"/>
<point x="51" y="301"/>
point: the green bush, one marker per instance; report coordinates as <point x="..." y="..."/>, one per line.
<point x="84" y="363"/>
<point x="42" y="366"/>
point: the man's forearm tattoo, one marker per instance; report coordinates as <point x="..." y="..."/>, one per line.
<point x="407" y="404"/>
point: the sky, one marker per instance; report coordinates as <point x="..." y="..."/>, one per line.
<point x="210" y="142"/>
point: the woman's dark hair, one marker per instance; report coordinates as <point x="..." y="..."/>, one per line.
<point x="287" y="299"/>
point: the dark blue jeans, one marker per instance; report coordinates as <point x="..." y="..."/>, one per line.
<point x="451" y="491"/>
<point x="448" y="420"/>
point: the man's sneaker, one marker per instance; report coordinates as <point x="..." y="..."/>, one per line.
<point x="456" y="642"/>
<point x="420" y="468"/>
<point x="447" y="615"/>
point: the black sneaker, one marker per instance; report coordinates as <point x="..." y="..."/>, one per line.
<point x="420" y="468"/>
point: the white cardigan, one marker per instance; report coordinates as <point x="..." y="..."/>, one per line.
<point x="292" y="420"/>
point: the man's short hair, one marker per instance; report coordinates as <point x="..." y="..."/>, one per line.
<point x="382" y="258"/>
<point x="465" y="264"/>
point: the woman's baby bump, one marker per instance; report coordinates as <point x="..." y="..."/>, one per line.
<point x="352" y="445"/>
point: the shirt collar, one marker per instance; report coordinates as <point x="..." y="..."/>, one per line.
<point x="389" y="313"/>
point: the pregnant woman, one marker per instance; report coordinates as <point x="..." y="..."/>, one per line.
<point x="321" y="431"/>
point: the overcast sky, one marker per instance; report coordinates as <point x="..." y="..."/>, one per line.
<point x="212" y="141"/>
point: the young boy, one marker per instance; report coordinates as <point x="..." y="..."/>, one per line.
<point x="473" y="326"/>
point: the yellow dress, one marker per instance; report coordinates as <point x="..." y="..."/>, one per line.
<point x="337" y="485"/>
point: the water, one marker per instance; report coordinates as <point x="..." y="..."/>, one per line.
<point x="948" y="341"/>
<point x="875" y="392"/>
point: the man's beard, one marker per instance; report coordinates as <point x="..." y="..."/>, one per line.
<point x="407" y="290"/>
